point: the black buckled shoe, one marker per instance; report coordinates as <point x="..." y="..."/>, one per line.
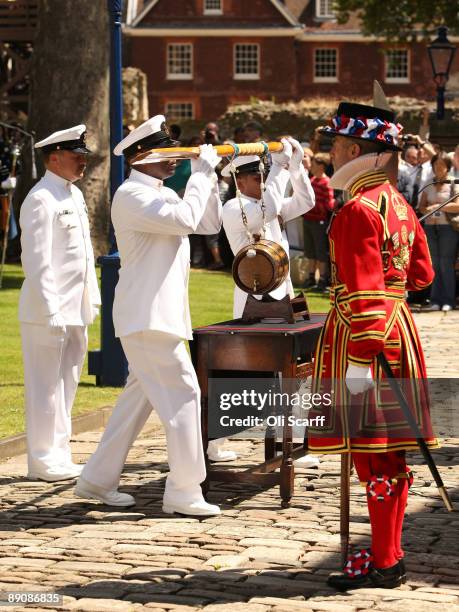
<point x="389" y="578"/>
<point x="402" y="568"/>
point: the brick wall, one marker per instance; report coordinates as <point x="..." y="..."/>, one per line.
<point x="213" y="87"/>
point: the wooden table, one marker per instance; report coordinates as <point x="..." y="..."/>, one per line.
<point x="235" y="346"/>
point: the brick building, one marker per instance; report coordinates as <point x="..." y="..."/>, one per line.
<point x="200" y="56"/>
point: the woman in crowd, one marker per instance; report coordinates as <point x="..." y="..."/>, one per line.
<point x="441" y="236"/>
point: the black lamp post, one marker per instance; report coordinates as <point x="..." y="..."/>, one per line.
<point x="441" y="54"/>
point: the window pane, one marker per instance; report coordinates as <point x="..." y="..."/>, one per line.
<point x="179" y="59"/>
<point x="246" y="59"/>
<point x="180" y="110"/>
<point x="325" y="63"/>
<point x="397" y="64"/>
<point x="324" y="8"/>
<point x="212" y="5"/>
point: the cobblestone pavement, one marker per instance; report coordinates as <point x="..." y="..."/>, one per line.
<point x="255" y="557"/>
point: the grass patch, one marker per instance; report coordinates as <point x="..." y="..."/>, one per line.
<point x="211" y="300"/>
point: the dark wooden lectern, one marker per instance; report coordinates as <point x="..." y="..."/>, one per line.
<point x="257" y="347"/>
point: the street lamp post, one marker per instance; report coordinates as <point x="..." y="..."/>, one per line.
<point x="109" y="364"/>
<point x="441" y="53"/>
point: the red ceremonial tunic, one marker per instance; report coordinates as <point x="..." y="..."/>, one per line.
<point x="378" y="250"/>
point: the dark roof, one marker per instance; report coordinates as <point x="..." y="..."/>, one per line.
<point x="213" y="26"/>
<point x="296" y="7"/>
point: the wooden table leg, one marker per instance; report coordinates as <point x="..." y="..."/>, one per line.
<point x="344" y="506"/>
<point x="270" y="443"/>
<point x="287" y="470"/>
<point x="202" y="373"/>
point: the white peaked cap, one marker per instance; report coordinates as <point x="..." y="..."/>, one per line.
<point x="73" y="133"/>
<point x="244" y="160"/>
<point x="154" y="125"/>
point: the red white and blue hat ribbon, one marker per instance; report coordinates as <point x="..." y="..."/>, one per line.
<point x="376" y="130"/>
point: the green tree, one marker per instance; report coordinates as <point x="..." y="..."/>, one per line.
<point x="401" y="19"/>
<point x="69" y="86"/>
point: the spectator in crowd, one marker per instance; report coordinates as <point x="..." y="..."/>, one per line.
<point x="239" y="134"/>
<point x="175" y="131"/>
<point x="211" y="133"/>
<point x="407" y="171"/>
<point x="307" y="159"/>
<point x="195" y="141"/>
<point x="425" y="155"/>
<point x="316" y="140"/>
<point x="253" y="131"/>
<point x="455" y="159"/>
<point x="416" y="169"/>
<point x="441" y="236"/>
<point x="315" y="223"/>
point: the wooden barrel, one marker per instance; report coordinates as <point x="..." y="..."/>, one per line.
<point x="262" y="272"/>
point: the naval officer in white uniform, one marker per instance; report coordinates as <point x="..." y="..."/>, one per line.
<point x="152" y="318"/>
<point x="287" y="165"/>
<point x="59" y="298"/>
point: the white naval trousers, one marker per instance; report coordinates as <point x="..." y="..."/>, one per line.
<point x="52" y="369"/>
<point x="162" y="376"/>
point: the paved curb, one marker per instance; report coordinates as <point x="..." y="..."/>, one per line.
<point x="17" y="445"/>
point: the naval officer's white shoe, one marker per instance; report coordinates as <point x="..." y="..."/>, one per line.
<point x="53" y="474"/>
<point x="195" y="508"/>
<point x="308" y="461"/>
<point x="76" y="468"/>
<point x="216" y="452"/>
<point x="88" y="490"/>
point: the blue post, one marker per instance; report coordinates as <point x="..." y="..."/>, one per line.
<point x="115" y="8"/>
<point x="109" y="364"/>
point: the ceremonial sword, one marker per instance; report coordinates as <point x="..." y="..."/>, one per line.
<point x="404" y="405"/>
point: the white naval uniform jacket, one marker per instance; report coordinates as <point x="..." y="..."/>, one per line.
<point x="57" y="255"/>
<point x="276" y="204"/>
<point x="152" y="225"/>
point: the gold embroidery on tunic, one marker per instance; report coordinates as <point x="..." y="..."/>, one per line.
<point x="400" y="207"/>
<point x="402" y="260"/>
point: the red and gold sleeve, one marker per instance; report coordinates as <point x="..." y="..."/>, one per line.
<point x="361" y="270"/>
<point x="420" y="274"/>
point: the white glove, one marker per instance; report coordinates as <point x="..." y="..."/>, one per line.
<point x="359" y="379"/>
<point x="207" y="161"/>
<point x="297" y="155"/>
<point x="95" y="311"/>
<point x="9" y="183"/>
<point x="284" y="157"/>
<point x="56" y="324"/>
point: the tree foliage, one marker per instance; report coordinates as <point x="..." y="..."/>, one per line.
<point x="69" y="85"/>
<point x="401" y="19"/>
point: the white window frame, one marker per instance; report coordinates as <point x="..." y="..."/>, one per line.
<point x="326" y="79"/>
<point x="212" y="11"/>
<point x="246" y="77"/>
<point x="185" y="76"/>
<point x="406" y="79"/>
<point x="320" y="15"/>
<point x="172" y="102"/>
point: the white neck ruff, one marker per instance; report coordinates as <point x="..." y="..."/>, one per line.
<point x="350" y="172"/>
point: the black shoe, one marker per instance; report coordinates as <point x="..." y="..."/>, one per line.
<point x="389" y="578"/>
<point x="402" y="568"/>
<point x="309" y="283"/>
